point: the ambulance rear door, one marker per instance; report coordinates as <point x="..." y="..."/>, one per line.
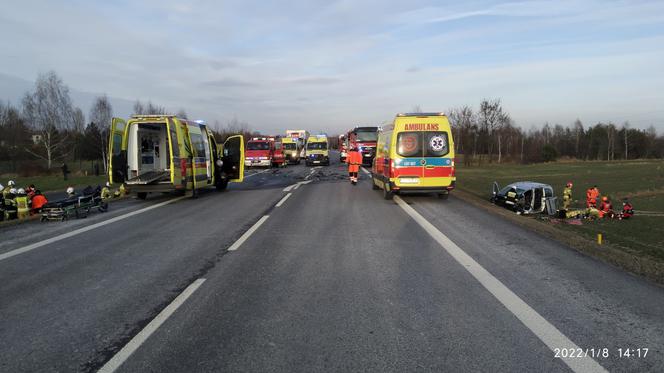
<point x="233" y="158"/>
<point x="117" y="152"/>
<point x="436" y="145"/>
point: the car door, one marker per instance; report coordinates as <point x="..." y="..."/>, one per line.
<point x="117" y="152"/>
<point x="233" y="158"/>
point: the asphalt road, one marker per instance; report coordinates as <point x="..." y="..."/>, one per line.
<point x="333" y="279"/>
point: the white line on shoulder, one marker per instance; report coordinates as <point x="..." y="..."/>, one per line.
<point x="545" y="331"/>
<point x="126" y="351"/>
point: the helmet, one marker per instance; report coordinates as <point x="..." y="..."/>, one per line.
<point x="70" y="190"/>
<point x="21" y="191"/>
<point x="569" y="184"/>
<point x="108" y="184"/>
<point x="11" y="183"/>
<point x="12" y="190"/>
<point x="605" y="198"/>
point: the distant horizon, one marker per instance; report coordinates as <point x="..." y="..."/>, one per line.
<point x="333" y="65"/>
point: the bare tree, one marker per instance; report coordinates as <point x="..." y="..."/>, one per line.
<point x="626" y="137"/>
<point x="50" y="113"/>
<point x="139" y="108"/>
<point x="491" y="119"/>
<point x="182" y="114"/>
<point x="101" y="114"/>
<point x="416" y="109"/>
<point x="78" y="120"/>
<point x="578" y="132"/>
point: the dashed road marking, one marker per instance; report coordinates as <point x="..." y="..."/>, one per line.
<point x="281" y="202"/>
<point x="136" y="342"/>
<point x="236" y="245"/>
<point x="76" y="232"/>
<point x="366" y="171"/>
<point x="545" y="331"/>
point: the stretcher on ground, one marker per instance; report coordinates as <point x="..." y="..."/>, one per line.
<point x="78" y="206"/>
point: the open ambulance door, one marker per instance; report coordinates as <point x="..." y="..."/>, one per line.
<point x="233" y="158"/>
<point x="117" y="152"/>
<point x="494" y="190"/>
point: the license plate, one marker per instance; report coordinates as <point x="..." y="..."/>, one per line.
<point x="316" y="161"/>
<point x="255" y="161"/>
<point x="367" y="155"/>
<point x="409" y="180"/>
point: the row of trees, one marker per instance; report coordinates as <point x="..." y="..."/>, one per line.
<point x="47" y="128"/>
<point x="490" y="135"/>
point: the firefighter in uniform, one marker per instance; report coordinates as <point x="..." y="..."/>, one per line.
<point x="22" y="204"/>
<point x="605" y="208"/>
<point x="567" y="196"/>
<point x="106" y="191"/>
<point x="591" y="197"/>
<point x="354" y="160"/>
<point x="7" y="189"/>
<point x="10" y="204"/>
<point x="627" y="211"/>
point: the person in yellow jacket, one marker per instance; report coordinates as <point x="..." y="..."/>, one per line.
<point x="22" y="204"/>
<point x="567" y="196"/>
<point x="106" y="191"/>
<point x="7" y="190"/>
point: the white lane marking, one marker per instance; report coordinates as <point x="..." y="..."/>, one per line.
<point x="283" y="200"/>
<point x="288" y="188"/>
<point x="236" y="245"/>
<point x="126" y="351"/>
<point x="366" y="171"/>
<point x="544" y="330"/>
<point x="260" y="172"/>
<point x="39" y="244"/>
<point x="296" y="185"/>
<point x="305" y="182"/>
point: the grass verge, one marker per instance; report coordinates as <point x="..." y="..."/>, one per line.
<point x="636" y="245"/>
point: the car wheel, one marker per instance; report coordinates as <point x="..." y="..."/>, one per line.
<point x="142" y="195"/>
<point x="444" y="195"/>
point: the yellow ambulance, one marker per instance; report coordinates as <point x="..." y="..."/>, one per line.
<point x="317" y="151"/>
<point x="163" y="153"/>
<point x="291" y="149"/>
<point x="415" y="154"/>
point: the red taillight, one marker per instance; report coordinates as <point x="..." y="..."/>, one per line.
<point x="453" y="173"/>
<point x="391" y="171"/>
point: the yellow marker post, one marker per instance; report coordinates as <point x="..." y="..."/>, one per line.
<point x="599" y="238"/>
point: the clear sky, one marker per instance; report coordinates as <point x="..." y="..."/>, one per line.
<point x="330" y="65"/>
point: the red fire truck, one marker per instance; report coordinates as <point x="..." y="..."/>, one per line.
<point x="364" y="139"/>
<point x="259" y="151"/>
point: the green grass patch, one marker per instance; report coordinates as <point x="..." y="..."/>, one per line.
<point x="641" y="181"/>
<point x="48" y="183"/>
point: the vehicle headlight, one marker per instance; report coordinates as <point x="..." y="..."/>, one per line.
<point x="220" y="162"/>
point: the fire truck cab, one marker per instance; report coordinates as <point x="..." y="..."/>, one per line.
<point x="259" y="152"/>
<point x="364" y="139"/>
<point x="163" y="153"/>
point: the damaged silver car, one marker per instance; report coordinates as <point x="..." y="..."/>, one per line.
<point x="525" y="197"/>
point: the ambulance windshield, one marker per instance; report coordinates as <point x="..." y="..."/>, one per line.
<point x="317" y="146"/>
<point x="289" y="146"/>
